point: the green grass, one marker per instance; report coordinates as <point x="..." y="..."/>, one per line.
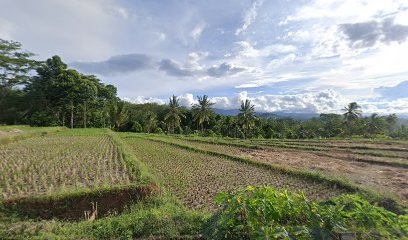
<point x="369" y="193"/>
<point x="162" y="215"/>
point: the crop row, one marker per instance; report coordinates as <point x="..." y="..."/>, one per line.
<point x="196" y="178"/>
<point x="392" y="158"/>
<point x="59" y="163"/>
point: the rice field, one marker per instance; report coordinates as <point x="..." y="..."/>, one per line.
<point x="58" y="163"/>
<point x="61" y="175"/>
<point x="195" y="178"/>
<point x="380" y="174"/>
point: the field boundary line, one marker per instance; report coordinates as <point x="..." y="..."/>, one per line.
<point x="23" y="136"/>
<point x="263" y="147"/>
<point x="387" y="202"/>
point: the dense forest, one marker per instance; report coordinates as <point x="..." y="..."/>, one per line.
<point x="47" y="93"/>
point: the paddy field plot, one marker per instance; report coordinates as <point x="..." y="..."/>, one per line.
<point x="60" y="163"/>
<point x="384" y="174"/>
<point x="196" y="178"/>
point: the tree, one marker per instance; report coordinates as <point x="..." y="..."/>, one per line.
<point x="118" y="114"/>
<point x="352" y="111"/>
<point x="392" y="122"/>
<point x="375" y="124"/>
<point x="352" y="114"/>
<point x="202" y="111"/>
<point x="15" y="64"/>
<point x="150" y="121"/>
<point x="247" y="115"/>
<point x="87" y="93"/>
<point x="174" y="115"/>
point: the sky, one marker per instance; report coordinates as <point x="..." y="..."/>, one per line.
<point x="298" y="56"/>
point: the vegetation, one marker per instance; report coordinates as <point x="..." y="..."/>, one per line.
<point x="93" y="183"/>
<point x="196" y="177"/>
<point x="59" y="163"/>
<point x="265" y="213"/>
<point x="57" y="96"/>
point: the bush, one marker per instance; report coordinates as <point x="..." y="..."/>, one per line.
<point x="137" y="127"/>
<point x="265" y="213"/>
<point x="159" y="131"/>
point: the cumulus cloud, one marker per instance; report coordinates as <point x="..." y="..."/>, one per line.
<point x="395" y="92"/>
<point x="366" y="34"/>
<point x="318" y="102"/>
<point x="116" y="65"/>
<point x="224" y="69"/>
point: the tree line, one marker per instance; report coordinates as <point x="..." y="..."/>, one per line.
<point x="47" y="93"/>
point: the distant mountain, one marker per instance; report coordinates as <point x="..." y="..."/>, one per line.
<point x="235" y="112"/>
<point x="226" y="112"/>
<point x="301" y="116"/>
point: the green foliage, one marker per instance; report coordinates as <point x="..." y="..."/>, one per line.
<point x="265" y="213"/>
<point x="60" y="96"/>
<point x="15" y="64"/>
<point x="137" y="127"/>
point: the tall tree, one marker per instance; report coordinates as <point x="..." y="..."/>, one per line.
<point x="119" y="114"/>
<point x="352" y="114"/>
<point x="150" y="121"/>
<point x="87" y="94"/>
<point x="15" y="64"/>
<point x="352" y="111"/>
<point x="174" y="115"/>
<point x="202" y="110"/>
<point x="376" y="124"/>
<point x="247" y="115"/>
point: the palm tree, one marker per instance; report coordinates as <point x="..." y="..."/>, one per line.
<point x="150" y="121"/>
<point x="353" y="111"/>
<point x="173" y="117"/>
<point x="118" y="114"/>
<point x="246" y="115"/>
<point x="375" y="124"/>
<point x="202" y="110"/>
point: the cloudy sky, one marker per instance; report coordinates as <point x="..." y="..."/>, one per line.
<point x="284" y="55"/>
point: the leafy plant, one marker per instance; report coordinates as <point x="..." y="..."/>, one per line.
<point x="265" y="213"/>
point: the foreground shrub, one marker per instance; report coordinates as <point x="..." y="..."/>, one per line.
<point x="266" y="213"/>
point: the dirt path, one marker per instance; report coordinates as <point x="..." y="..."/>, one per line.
<point x="383" y="178"/>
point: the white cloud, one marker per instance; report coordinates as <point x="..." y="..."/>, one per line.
<point x="247" y="50"/>
<point x="6" y="29"/>
<point x="75" y="29"/>
<point x="347" y="10"/>
<point x="197" y="30"/>
<point x="249" y="17"/>
<point x="160" y="36"/>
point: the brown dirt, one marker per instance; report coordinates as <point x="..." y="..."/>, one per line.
<point x="72" y="207"/>
<point x="385" y="179"/>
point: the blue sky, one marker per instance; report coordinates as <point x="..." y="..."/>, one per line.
<point x="284" y="55"/>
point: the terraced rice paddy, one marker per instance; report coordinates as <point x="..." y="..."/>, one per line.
<point x="196" y="178"/>
<point x="58" y="163"/>
<point x="389" y="179"/>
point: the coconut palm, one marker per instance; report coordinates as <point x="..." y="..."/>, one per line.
<point x="173" y="117"/>
<point x="202" y="110"/>
<point x="376" y="124"/>
<point x="119" y="114"/>
<point x="247" y="115"/>
<point x="150" y="121"/>
<point x="352" y="112"/>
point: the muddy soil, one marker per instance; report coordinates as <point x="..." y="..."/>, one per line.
<point x="384" y="179"/>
